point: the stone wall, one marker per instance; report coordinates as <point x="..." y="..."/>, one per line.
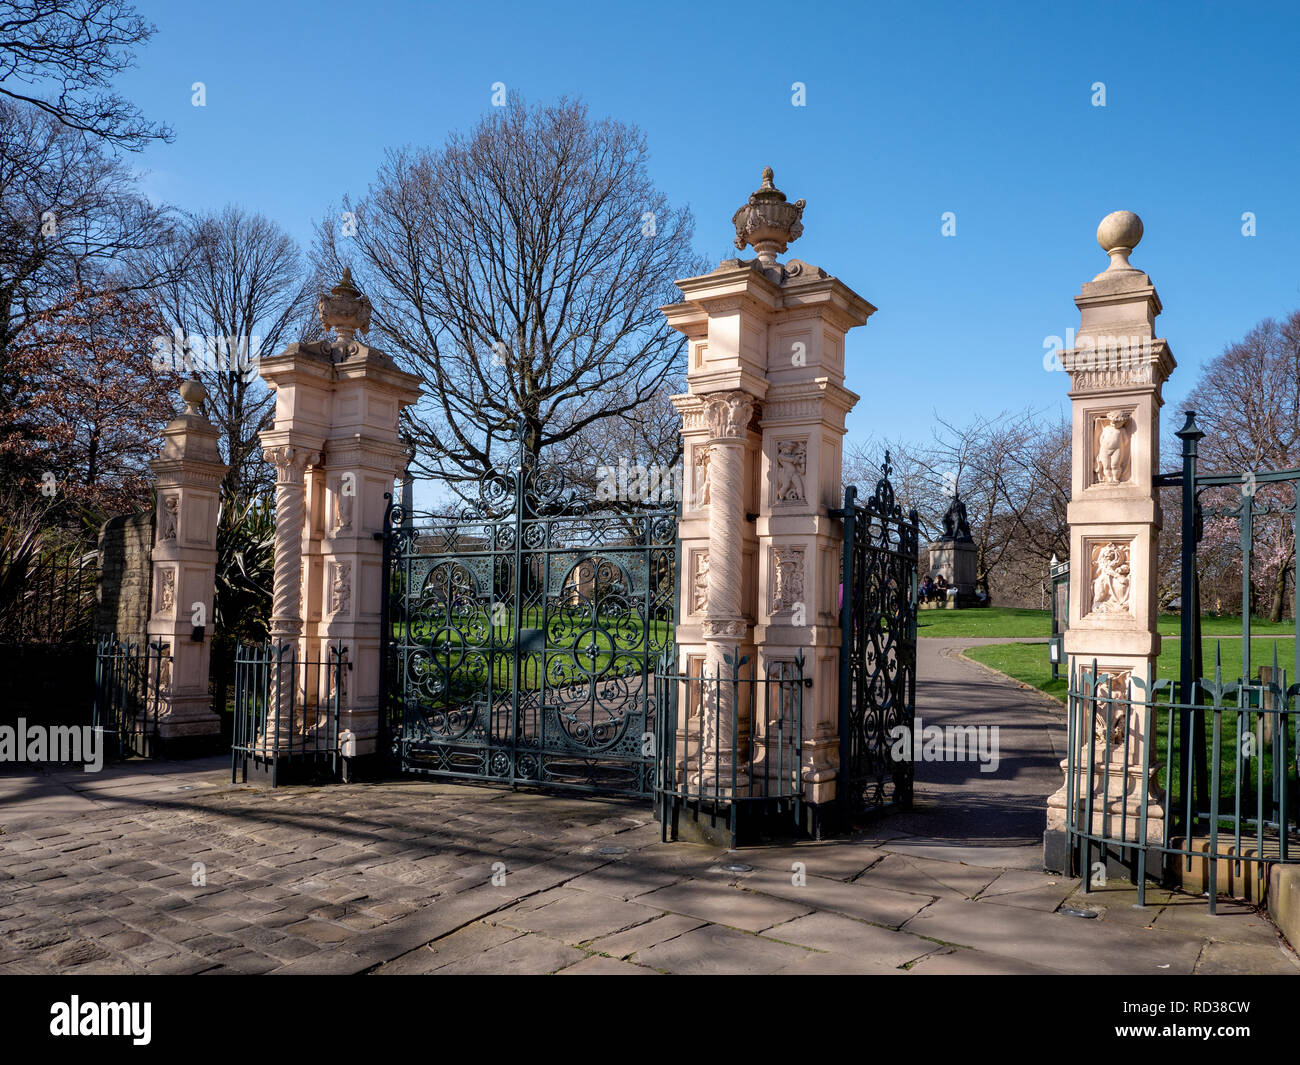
<point x="125" y="556"/>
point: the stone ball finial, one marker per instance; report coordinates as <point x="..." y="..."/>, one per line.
<point x="345" y="309"/>
<point x="1118" y="234"/>
<point x="767" y="222"/>
<point x="192" y="394"/>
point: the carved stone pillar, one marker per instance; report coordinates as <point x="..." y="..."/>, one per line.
<point x="774" y="333"/>
<point x="727" y="415"/>
<point x="364" y="454"/>
<point x="188" y="476"/>
<point x="1117" y="369"/>
<point x="800" y="545"/>
<point x="337" y="402"/>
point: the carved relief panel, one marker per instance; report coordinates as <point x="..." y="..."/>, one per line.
<point x="699" y="582"/>
<point x="787" y="578"/>
<point x="167" y="592"/>
<point x="700" y="477"/>
<point x="1111" y="716"/>
<point x="1110" y="577"/>
<point x="343" y="496"/>
<point x="1112" y="447"/>
<point x="789" y="470"/>
<point x="168" y="515"/>
<point x="340" y="587"/>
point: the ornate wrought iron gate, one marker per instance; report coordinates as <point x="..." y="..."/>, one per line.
<point x="521" y="638"/>
<point x="878" y="649"/>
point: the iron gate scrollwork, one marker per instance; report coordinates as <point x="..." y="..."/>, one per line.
<point x="521" y="637"/>
<point x="878" y="647"/>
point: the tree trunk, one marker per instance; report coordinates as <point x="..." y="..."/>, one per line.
<point x="1279" y="593"/>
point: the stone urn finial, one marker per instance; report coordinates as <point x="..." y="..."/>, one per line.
<point x="345" y="309"/>
<point x="192" y="394"/>
<point x="1118" y="235"/>
<point x="767" y="222"/>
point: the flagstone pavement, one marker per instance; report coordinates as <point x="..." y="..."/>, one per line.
<point x="168" y="868"/>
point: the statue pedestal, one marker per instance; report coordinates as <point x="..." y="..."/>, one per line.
<point x="955" y="561"/>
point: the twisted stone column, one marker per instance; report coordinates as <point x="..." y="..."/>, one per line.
<point x="728" y="415"/>
<point x="286" y="603"/>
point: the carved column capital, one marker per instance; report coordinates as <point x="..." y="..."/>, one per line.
<point x="289" y="462"/>
<point x="728" y="414"/>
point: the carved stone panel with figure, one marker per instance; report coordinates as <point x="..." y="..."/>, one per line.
<point x="1111" y="577"/>
<point x="1112" y="434"/>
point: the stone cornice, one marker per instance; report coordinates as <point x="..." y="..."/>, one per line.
<point x="1145" y="364"/>
<point x="178" y="472"/>
<point x="711" y="293"/>
<point x="807" y="401"/>
<point x="838" y="301"/>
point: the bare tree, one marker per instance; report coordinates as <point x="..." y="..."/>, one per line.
<point x="61" y="56"/>
<point x="1012" y="472"/>
<point x="68" y="215"/>
<point x="1248" y="404"/>
<point x="909" y="476"/>
<point x="232" y="285"/>
<point x="519" y="271"/>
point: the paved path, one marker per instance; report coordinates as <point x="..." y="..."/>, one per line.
<point x="167" y="868"/>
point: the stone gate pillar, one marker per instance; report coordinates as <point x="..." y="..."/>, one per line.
<point x="188" y="476"/>
<point x="362" y="457"/>
<point x="762" y="427"/>
<point x="337" y="452"/>
<point x="1117" y="369"/>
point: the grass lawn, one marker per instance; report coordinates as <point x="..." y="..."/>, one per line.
<point x="988" y="621"/>
<point x="1012" y="621"/>
<point x="1027" y="662"/>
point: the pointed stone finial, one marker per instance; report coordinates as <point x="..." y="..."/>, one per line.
<point x="1118" y="234"/>
<point x="767" y="223"/>
<point x="345" y="309"/>
<point x="192" y="393"/>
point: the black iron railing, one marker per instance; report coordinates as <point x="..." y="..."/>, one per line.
<point x="132" y="677"/>
<point x="287" y="708"/>
<point x="730" y="746"/>
<point x="49" y="599"/>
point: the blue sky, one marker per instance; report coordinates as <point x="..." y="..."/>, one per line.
<point x="911" y="110"/>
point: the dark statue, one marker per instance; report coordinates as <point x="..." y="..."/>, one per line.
<point x="955" y="525"/>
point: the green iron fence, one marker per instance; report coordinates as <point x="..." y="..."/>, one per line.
<point x="132" y="676"/>
<point x="287" y="710"/>
<point x="1129" y="790"/>
<point x="730" y="748"/>
<point x="1200" y="770"/>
